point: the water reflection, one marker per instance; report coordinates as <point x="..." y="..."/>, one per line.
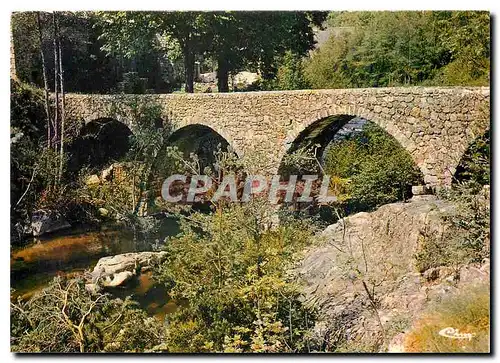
<point x="34" y="266"/>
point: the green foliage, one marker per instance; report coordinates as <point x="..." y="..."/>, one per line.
<point x="290" y="74"/>
<point x="466" y="35"/>
<point x="126" y="195"/>
<point x="379" y="170"/>
<point x="467" y="238"/>
<point x="230" y="269"/>
<point x="27" y="169"/>
<point x="132" y="83"/>
<point x="65" y="318"/>
<point x="232" y="39"/>
<point x="474" y="167"/>
<point x="86" y="68"/>
<point x="377" y="49"/>
<point x="328" y="66"/>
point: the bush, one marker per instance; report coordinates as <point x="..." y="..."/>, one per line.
<point x="27" y="127"/>
<point x="467" y="237"/>
<point x="66" y="318"/>
<point x="474" y="167"/>
<point x="231" y="271"/>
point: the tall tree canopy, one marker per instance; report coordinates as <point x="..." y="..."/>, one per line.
<point x="375" y="49"/>
<point x="232" y="39"/>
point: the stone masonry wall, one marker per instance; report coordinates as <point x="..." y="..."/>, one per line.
<point x="435" y="125"/>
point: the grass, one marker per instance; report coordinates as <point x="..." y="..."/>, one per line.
<point x="467" y="311"/>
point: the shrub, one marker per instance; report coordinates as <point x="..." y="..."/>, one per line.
<point x="230" y="269"/>
<point x="467" y="237"/>
<point x="474" y="167"/>
<point x="27" y="127"/>
<point x="65" y="318"/>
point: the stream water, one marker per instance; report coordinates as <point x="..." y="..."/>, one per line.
<point x="72" y="252"/>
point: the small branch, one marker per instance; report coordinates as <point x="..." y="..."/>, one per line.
<point x="29" y="184"/>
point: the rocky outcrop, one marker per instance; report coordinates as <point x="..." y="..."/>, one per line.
<point x="114" y="271"/>
<point x="364" y="280"/>
<point x="46" y="221"/>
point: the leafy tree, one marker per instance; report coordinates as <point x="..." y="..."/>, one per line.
<point x="466" y="36"/>
<point x="328" y="66"/>
<point x="86" y="67"/>
<point x="130" y="33"/>
<point x="232" y="39"/>
<point x="290" y="74"/>
<point x="260" y="39"/>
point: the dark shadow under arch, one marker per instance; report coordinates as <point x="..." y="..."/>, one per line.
<point x="475" y="163"/>
<point x="196" y="139"/>
<point x="320" y="133"/>
<point x="100" y="143"/>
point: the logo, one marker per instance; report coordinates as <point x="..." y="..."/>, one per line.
<point x="180" y="188"/>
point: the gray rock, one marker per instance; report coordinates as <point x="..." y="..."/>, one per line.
<point x="207" y="77"/>
<point x="118" y="279"/>
<point x="420" y="190"/>
<point x="112" y="271"/>
<point x="46" y="221"/>
<point x="379" y="249"/>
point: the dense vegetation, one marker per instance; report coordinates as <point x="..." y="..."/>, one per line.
<point x="383" y="49"/>
<point x="228" y="271"/>
<point x="113" y="51"/>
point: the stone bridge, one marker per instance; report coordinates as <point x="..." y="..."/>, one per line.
<point x="435" y="125"/>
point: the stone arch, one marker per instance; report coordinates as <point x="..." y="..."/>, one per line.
<point x="342" y="115"/>
<point x="99" y="143"/>
<point x="353" y="111"/>
<point x="189" y="139"/>
<point x="197" y="138"/>
<point x="199" y="122"/>
<point x="198" y="135"/>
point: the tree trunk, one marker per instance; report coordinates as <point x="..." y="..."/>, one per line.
<point x="56" y="85"/>
<point x="61" y="84"/>
<point x="13" y="73"/>
<point x="189" y="69"/>
<point x="222" y="75"/>
<point x="45" y="81"/>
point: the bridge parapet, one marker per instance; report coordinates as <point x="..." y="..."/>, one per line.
<point x="435" y="124"/>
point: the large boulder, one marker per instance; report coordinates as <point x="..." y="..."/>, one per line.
<point x="208" y="77"/>
<point x="113" y="271"/>
<point x="46" y="221"/>
<point x="364" y="274"/>
<point x="243" y="80"/>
